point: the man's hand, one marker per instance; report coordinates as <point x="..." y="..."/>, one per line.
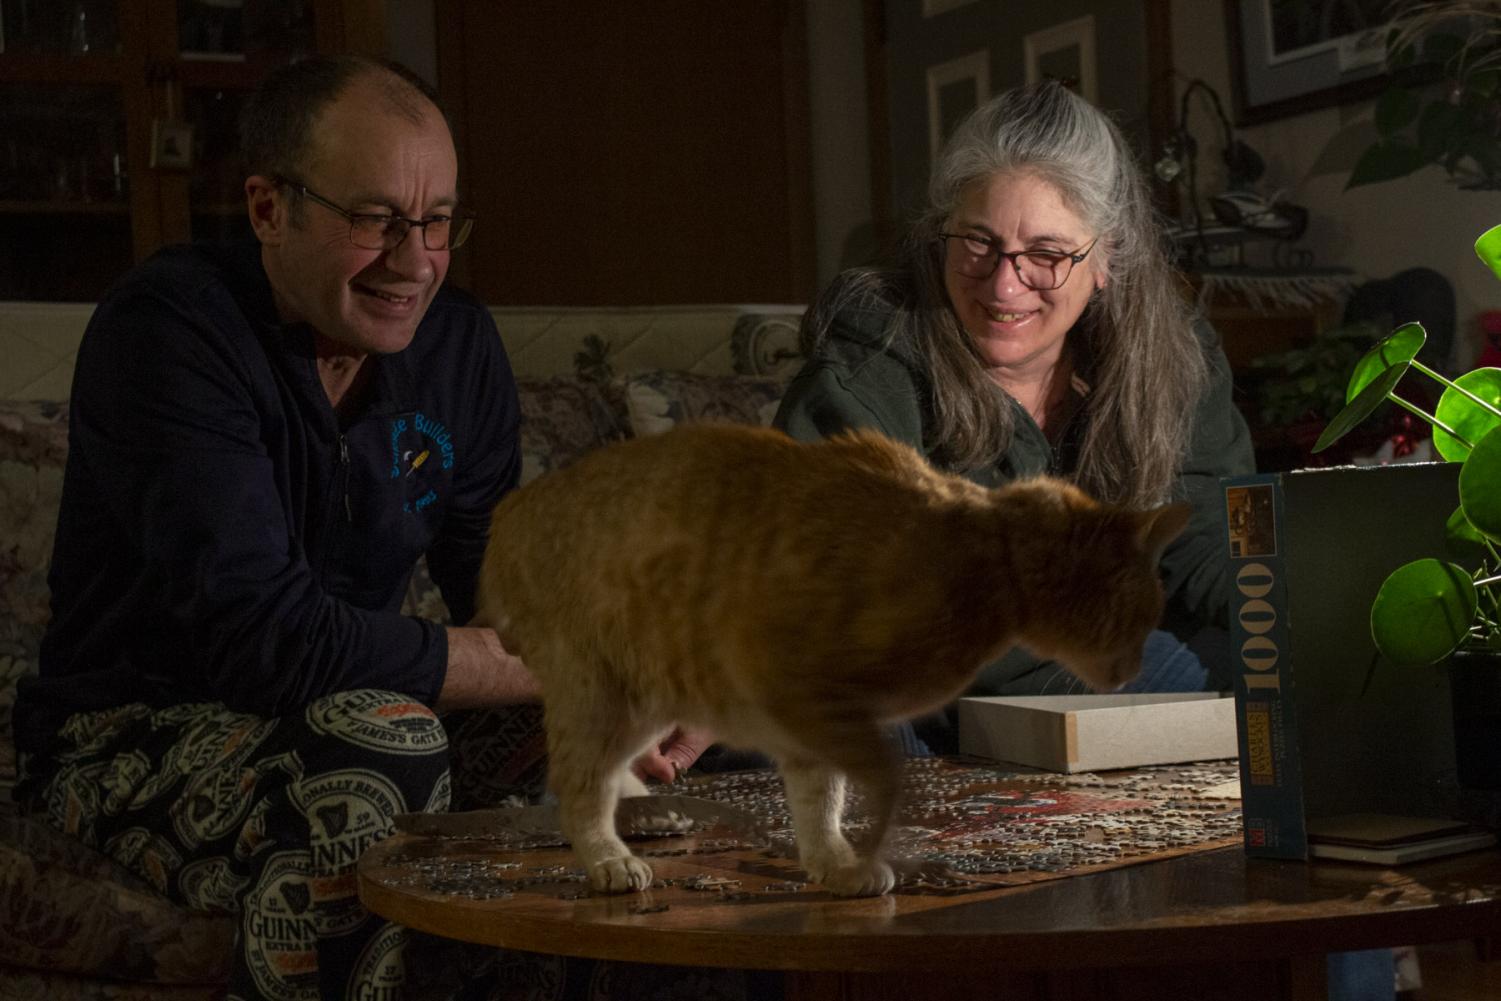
<point x="482" y="673"/>
<point x="673" y="754"/>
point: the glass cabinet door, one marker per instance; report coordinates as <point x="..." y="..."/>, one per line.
<point x="225" y="46"/>
<point x="65" y="224"/>
<point x="59" y="27"/>
<point x="216" y="194"/>
<point x="266" y="32"/>
<point x="64" y="214"/>
<point x="119" y="127"/>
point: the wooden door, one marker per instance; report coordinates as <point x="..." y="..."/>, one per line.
<point x="624" y="154"/>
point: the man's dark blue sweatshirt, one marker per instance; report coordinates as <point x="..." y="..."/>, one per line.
<point x="224" y="537"/>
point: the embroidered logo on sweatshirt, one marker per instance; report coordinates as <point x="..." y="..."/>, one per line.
<point x="419" y="444"/>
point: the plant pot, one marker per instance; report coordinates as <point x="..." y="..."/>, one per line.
<point x="1475" y="687"/>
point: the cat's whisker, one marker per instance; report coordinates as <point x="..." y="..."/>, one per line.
<point x="1059" y="675"/>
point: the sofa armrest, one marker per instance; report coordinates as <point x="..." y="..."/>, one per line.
<point x="33" y="450"/>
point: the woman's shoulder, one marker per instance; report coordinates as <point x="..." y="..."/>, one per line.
<point x="1204" y="332"/>
<point x="863" y="312"/>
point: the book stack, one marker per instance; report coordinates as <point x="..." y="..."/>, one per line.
<point x="1386" y="839"/>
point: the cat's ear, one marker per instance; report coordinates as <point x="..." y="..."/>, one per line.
<point x="1160" y="526"/>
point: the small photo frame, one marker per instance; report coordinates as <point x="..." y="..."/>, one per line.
<point x="171" y="145"/>
<point x="1064" y="52"/>
<point x="955" y="88"/>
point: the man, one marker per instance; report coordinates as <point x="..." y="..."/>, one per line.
<point x="264" y="438"/>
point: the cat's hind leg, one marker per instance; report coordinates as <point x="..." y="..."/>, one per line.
<point x="627" y="784"/>
<point x="815" y="800"/>
<point x="816" y="788"/>
<point x="590" y="746"/>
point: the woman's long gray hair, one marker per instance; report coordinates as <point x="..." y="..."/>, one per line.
<point x="1148" y="368"/>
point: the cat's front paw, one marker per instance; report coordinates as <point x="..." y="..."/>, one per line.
<point x="864" y="878"/>
<point x="619" y="875"/>
<point x="823" y="861"/>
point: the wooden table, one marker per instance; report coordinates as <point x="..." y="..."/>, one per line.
<point x="1208" y="925"/>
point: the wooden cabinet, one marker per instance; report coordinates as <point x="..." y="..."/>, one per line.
<point x="1250" y="328"/>
<point x="1258" y="314"/>
<point x="118" y="126"/>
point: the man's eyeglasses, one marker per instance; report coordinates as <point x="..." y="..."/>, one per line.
<point x="1039" y="270"/>
<point x="385" y="231"/>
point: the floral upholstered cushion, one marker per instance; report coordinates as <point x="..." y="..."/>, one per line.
<point x="658" y="401"/>
<point x="33" y="449"/>
<point x="18" y="984"/>
<point x="423" y="599"/>
<point x="561" y="419"/>
<point x="67" y="909"/>
<point x="767" y="344"/>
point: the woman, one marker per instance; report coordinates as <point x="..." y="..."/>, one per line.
<point x="1034" y="325"/>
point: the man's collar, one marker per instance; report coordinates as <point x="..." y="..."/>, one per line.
<point x="252" y="285"/>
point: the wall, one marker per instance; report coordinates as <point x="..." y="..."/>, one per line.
<point x="411" y="36"/>
<point x="916" y="43"/>
<point x="839" y="136"/>
<point x="1378" y="229"/>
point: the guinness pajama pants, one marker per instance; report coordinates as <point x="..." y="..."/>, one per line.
<point x="265" y="819"/>
<point x="261" y="817"/>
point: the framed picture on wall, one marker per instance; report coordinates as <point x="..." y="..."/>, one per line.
<point x="1287" y="58"/>
<point x="1064" y="52"/>
<point x="955" y="88"/>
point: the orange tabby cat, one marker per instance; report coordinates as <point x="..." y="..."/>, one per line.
<point x="793" y="598"/>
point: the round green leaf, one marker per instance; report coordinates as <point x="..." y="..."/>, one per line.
<point x="1399" y="56"/>
<point x="1422" y="612"/>
<point x="1438" y="128"/>
<point x="1488" y="249"/>
<point x="1396" y="108"/>
<point x="1480" y="486"/>
<point x="1464" y="415"/>
<point x="1441" y="46"/>
<point x="1399" y="347"/>
<point x="1482" y="149"/>
<point x="1385" y="160"/>
<point x="1360" y="408"/>
<point x="1461" y="539"/>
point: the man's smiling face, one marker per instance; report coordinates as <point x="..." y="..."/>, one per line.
<point x="372" y="159"/>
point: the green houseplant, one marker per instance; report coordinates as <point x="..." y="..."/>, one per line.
<point x="1454" y="123"/>
<point x="1430" y="608"/>
<point x="1433" y="610"/>
<point x="1308" y="382"/>
<point x="1295" y="392"/>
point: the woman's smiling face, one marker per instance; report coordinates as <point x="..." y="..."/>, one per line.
<point x="1019" y="331"/>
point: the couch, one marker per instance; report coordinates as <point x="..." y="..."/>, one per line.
<point x="74" y="925"/>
